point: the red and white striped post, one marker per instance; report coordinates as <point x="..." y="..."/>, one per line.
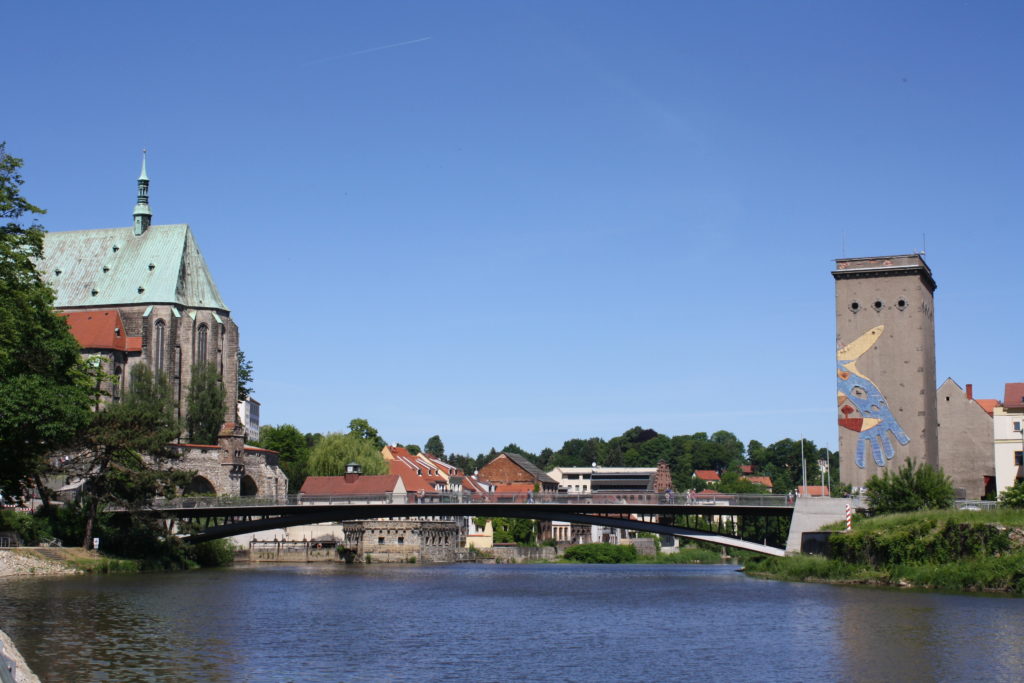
<point x="849" y="517"/>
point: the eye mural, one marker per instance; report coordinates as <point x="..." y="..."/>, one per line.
<point x="862" y="408"/>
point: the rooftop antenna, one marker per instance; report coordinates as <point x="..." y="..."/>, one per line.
<point x="843" y="233"/>
<point x="924" y="243"/>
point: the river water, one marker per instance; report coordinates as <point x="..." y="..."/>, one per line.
<point x="551" y="622"/>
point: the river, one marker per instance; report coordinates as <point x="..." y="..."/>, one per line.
<point x="551" y="622"/>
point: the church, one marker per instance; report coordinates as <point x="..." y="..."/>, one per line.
<point x="143" y="294"/>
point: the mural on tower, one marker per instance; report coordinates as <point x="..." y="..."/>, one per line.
<point x="862" y="407"/>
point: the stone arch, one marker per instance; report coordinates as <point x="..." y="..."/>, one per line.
<point x="248" y="487"/>
<point x="200" y="486"/>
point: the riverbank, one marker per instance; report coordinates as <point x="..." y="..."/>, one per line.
<point x="16" y="562"/>
<point x="13" y="662"/>
<point x="963" y="551"/>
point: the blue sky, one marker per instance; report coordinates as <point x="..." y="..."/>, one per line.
<point x="535" y="221"/>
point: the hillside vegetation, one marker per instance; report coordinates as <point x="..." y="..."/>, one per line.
<point x="941" y="549"/>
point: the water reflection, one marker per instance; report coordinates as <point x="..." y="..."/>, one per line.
<point x="519" y="622"/>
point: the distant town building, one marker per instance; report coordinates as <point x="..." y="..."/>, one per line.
<point x="249" y="417"/>
<point x="513" y="469"/>
<point x="612" y="479"/>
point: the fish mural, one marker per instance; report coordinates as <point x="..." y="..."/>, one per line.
<point x="862" y="407"/>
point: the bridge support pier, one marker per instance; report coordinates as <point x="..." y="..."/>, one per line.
<point x="810" y="514"/>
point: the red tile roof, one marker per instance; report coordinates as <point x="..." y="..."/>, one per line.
<point x="102" y="329"/>
<point x="763" y="481"/>
<point x="368" y="484"/>
<point x="987" y="404"/>
<point x="1014" y="396"/>
<point x="707" y="475"/>
<point x="747" y="469"/>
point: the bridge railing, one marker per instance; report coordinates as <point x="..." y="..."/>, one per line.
<point x="464" y="497"/>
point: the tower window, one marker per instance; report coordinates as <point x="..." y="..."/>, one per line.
<point x="854" y="306"/>
<point x="878" y="305"/>
<point x="901" y="304"/>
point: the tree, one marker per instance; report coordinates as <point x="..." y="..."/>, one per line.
<point x="244" y="376"/>
<point x="435" y="446"/>
<point x="335" y="451"/>
<point x="910" y="488"/>
<point x="128" y="446"/>
<point x="45" y="394"/>
<point x="206" y="396"/>
<point x="362" y="429"/>
<point x="287" y="440"/>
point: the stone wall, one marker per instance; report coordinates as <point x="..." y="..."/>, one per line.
<point x="405" y="540"/>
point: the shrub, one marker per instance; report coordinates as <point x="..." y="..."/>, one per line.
<point x="601" y="553"/>
<point x="910" y="488"/>
<point x="219" y="553"/>
<point x="1013" y="497"/>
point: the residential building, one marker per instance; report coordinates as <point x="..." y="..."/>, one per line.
<point x="249" y="418"/>
<point x="1008" y="424"/>
<point x="965" y="441"/>
<point x="512" y="468"/>
<point x="595" y="479"/>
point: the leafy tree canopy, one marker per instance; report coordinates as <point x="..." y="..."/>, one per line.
<point x="287" y="440"/>
<point x="435" y="446"/>
<point x="245" y="376"/>
<point x="45" y="393"/>
<point x="206" y="396"/>
<point x="335" y="451"/>
<point x="361" y="429"/>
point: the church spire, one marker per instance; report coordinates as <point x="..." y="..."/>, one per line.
<point x="143" y="216"/>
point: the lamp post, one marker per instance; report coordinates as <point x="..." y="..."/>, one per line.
<point x="803" y="462"/>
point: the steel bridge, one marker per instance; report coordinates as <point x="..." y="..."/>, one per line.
<point x="731" y="520"/>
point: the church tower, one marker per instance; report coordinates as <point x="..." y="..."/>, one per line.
<point x="143" y="216"/>
<point x="885" y="365"/>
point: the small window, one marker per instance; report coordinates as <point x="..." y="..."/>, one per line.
<point x="401" y="540"/>
<point x="878" y="305"/>
<point x="380" y="540"/>
<point x="901" y="304"/>
<point x="1018" y="458"/>
<point x="1016" y="426"/>
<point x="855" y="306"/>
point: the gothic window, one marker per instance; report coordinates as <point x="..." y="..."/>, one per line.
<point x="201" y="345"/>
<point x="158" y="346"/>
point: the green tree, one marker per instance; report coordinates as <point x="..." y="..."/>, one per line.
<point x="244" y="376"/>
<point x="45" y="394"/>
<point x="287" y="440"/>
<point x="335" y="451"/>
<point x="435" y="446"/>
<point x="910" y="488"/>
<point x="1013" y="496"/>
<point x="128" y="452"/>
<point x="206" y="396"/>
<point x="362" y="429"/>
<point x="514" y="530"/>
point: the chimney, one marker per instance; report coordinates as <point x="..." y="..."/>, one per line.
<point x="970" y="392"/>
<point x="352" y="472"/>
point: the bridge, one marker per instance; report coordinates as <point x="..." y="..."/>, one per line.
<point x="732" y="520"/>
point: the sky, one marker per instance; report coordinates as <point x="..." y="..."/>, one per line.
<point x="530" y="221"/>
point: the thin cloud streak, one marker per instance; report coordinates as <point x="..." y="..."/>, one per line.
<point x="388" y="47"/>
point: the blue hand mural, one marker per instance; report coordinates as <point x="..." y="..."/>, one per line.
<point x="858" y="394"/>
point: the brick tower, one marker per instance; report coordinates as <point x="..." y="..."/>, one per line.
<point x="885" y="364"/>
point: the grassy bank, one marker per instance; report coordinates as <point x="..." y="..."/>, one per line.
<point x="937" y="549"/>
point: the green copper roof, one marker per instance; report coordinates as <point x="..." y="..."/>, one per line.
<point x="113" y="267"/>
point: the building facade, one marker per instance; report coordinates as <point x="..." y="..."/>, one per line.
<point x="1008" y="420"/>
<point x="885" y="364"/>
<point x="965" y="441"/>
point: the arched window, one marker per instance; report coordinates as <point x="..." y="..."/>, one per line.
<point x="201" y="344"/>
<point x="158" y="346"/>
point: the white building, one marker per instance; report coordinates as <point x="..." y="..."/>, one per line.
<point x="249" y="418"/>
<point x="1007" y="424"/>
